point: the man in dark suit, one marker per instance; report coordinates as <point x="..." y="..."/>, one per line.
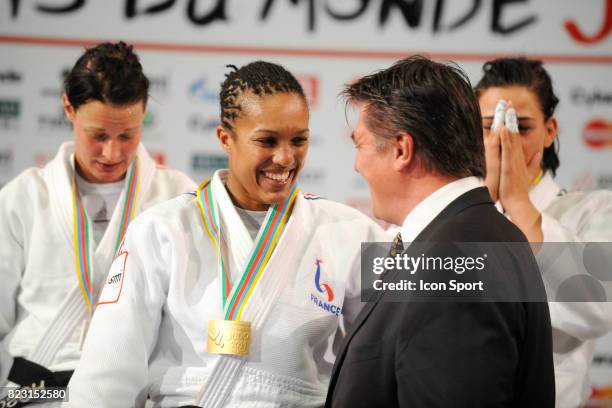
<point x="420" y="149"/>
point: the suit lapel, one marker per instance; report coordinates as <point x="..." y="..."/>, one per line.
<point x="473" y="197"/>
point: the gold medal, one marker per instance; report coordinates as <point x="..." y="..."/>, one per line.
<point x="229" y="337"/>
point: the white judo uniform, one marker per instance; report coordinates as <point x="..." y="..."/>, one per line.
<point x="149" y="332"/>
<point x="574" y="217"/>
<point x="41" y="305"/>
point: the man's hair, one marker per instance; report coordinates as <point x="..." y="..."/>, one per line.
<point x="520" y="71"/>
<point x="431" y="101"/>
<point x="109" y="73"/>
<point x="260" y="78"/>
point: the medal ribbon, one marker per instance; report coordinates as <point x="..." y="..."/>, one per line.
<point x="211" y="224"/>
<point x="82" y="237"/>
<point x="274" y="226"/>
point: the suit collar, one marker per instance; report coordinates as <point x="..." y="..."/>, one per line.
<point x="477" y="196"/>
<point x="424" y="212"/>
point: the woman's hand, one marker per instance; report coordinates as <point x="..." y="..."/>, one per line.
<point x="515" y="182"/>
<point x="492" y="146"/>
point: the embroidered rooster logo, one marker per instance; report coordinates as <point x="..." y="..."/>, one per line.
<point x="322" y="287"/>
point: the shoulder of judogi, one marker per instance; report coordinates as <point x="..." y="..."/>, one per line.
<point x="170" y="221"/>
<point x="331" y="210"/>
<point x="334" y="214"/>
<point x="599" y="200"/>
<point x="582" y="207"/>
<point x="171" y="210"/>
<point x="172" y="182"/>
<point x="587" y="215"/>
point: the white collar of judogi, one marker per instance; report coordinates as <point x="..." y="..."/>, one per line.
<point x="543" y="193"/>
<point x="59" y="174"/>
<point x="239" y="245"/>
<point x="235" y="238"/>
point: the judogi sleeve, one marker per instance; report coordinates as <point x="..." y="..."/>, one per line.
<point x="11" y="269"/>
<point x="113" y="370"/>
<point x="582" y="320"/>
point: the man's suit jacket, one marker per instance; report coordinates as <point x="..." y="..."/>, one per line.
<point x="450" y="354"/>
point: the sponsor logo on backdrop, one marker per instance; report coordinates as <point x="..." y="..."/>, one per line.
<point x="310" y="84"/>
<point x="582" y="96"/>
<point x="584" y="180"/>
<point x="589" y="180"/>
<point x="602" y="391"/>
<point x="159" y="85"/>
<point x="604" y="181"/>
<point x="202" y="124"/>
<point x="597" y="133"/>
<point x="200" y="89"/>
<point x="6" y="160"/>
<point x="10" y="111"/>
<point x="149" y="120"/>
<point x="312" y="176"/>
<point x="10" y="76"/>
<point x="56" y="122"/>
<point x="57" y="89"/>
<point x="150" y="126"/>
<point x="208" y="162"/>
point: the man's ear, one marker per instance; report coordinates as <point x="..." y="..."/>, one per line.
<point x="68" y="109"/>
<point x="224" y="138"/>
<point x="403" y="151"/>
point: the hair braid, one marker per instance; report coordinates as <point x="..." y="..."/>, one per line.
<point x="259" y="77"/>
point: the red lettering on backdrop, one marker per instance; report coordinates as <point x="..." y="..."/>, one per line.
<point x="577" y="34"/>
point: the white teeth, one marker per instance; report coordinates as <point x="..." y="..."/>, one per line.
<point x="277" y="177"/>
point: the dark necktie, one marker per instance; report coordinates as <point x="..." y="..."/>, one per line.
<point x="397" y="247"/>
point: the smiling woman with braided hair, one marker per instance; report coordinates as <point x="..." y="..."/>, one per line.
<point x="232" y="296"/>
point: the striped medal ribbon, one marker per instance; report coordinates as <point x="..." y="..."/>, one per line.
<point x="82" y="235"/>
<point x="232" y="335"/>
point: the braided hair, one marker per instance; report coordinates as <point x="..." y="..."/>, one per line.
<point x="259" y="77"/>
<point x="109" y="73"/>
<point x="529" y="73"/>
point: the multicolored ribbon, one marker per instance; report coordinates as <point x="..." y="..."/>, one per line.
<point x="211" y="223"/>
<point x="273" y="228"/>
<point x="82" y="237"/>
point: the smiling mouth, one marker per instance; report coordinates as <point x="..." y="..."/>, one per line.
<point x="278" y="178"/>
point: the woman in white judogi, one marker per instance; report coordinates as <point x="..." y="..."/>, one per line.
<point x="62" y="224"/>
<point x="247" y="249"/>
<point x="521" y="162"/>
